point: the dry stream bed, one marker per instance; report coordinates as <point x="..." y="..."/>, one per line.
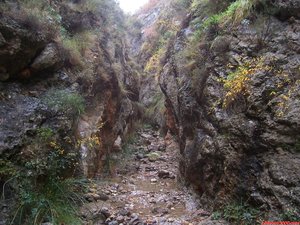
<point x="145" y="188"/>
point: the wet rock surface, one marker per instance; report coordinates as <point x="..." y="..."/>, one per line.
<point x="38" y="73"/>
<point x="20" y="114"/>
<point x="238" y="150"/>
<point x="148" y="193"/>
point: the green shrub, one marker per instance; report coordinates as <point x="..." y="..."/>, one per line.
<point x="45" y="133"/>
<point x="54" y="200"/>
<point x="154" y="63"/>
<point x="147" y="126"/>
<point x="76" y="46"/>
<point x="238" y="213"/>
<point x="290" y="215"/>
<point x="42" y="187"/>
<point x="37" y="15"/>
<point x="66" y="101"/>
<point x="7" y="169"/>
<point x="40" y="180"/>
<point x="239" y="10"/>
<point x="216" y="215"/>
<point x="234" y="13"/>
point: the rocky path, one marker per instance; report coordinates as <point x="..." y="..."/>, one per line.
<point x="145" y="189"/>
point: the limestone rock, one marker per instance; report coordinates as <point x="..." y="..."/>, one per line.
<point x="153" y="156"/>
<point x="118" y="144"/>
<point x="15" y="124"/>
<point x="48" y="59"/>
<point x="19" y="45"/>
<point x="164" y="174"/>
<point x="231" y="150"/>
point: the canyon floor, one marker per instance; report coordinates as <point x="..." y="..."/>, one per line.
<point x="144" y="188"/>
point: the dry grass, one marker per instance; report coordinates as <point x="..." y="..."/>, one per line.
<point x="77" y="45"/>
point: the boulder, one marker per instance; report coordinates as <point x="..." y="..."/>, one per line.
<point x="153" y="147"/>
<point x="48" y="59"/>
<point x="164" y="174"/>
<point x="153" y="156"/>
<point x="118" y="144"/>
<point x="19" y="45"/>
<point x="105" y="211"/>
<point x="159" y="210"/>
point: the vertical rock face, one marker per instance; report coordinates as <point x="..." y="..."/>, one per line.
<point x="68" y="93"/>
<point x="232" y="96"/>
<point x="151" y="30"/>
<point x="144" y="44"/>
<point x="64" y="71"/>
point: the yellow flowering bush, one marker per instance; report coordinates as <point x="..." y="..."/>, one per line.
<point x="236" y="82"/>
<point x="91" y="141"/>
<point x="153" y="64"/>
<point x="283" y="103"/>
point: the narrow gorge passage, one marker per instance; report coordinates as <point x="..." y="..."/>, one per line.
<point x="213" y="87"/>
<point x="145" y="188"/>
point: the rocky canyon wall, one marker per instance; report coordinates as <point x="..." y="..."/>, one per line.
<point x="66" y="82"/>
<point x="230" y="78"/>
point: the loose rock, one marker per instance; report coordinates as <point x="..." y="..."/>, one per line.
<point x="153" y="156"/>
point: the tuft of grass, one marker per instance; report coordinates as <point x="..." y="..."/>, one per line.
<point x="54" y="201"/>
<point x="235" y="13"/>
<point x="238" y="10"/>
<point x="38" y="15"/>
<point x="123" y="89"/>
<point x="45" y="133"/>
<point x="43" y="189"/>
<point x="7" y="169"/>
<point x="216" y="215"/>
<point x="290" y="215"/>
<point x="147" y="126"/>
<point x="76" y="45"/>
<point x="66" y="101"/>
<point x="297" y="146"/>
<point x="238" y="213"/>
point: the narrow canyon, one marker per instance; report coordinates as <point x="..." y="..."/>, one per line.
<point x="186" y="112"/>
